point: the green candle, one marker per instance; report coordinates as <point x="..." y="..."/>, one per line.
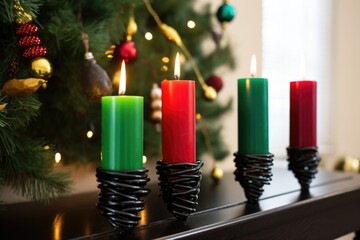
<point x="253" y="136"/>
<point x="122" y="132"/>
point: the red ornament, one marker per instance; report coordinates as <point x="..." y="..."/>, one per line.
<point x="126" y="50"/>
<point x="27" y="29"/>
<point x="27" y="41"/>
<point x="34" y="51"/>
<point x="216" y="82"/>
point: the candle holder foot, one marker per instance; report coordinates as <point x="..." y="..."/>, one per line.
<point x="119" y="196"/>
<point x="303" y="162"/>
<point x="253" y="171"/>
<point x="180" y="186"/>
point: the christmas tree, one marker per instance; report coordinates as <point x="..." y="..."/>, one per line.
<point x="65" y="116"/>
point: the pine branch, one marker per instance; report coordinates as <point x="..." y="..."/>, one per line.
<point x="29" y="173"/>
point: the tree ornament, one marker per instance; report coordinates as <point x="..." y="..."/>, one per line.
<point x="171" y="34"/>
<point x="217" y="173"/>
<point x="209" y="93"/>
<point x="126" y="51"/>
<point x="27" y="29"/>
<point x="29" y="40"/>
<point x="131" y="28"/>
<point x="216" y="82"/>
<point x="225" y="13"/>
<point x="41" y="68"/>
<point x="30" y="44"/>
<point x="155" y="104"/>
<point x="3" y="106"/>
<point x="23" y="87"/>
<point x="34" y="51"/>
<point x="21" y="15"/>
<point x="95" y="81"/>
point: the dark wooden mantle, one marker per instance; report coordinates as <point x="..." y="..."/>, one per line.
<point x="332" y="209"/>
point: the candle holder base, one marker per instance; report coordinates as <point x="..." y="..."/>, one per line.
<point x="180" y="186"/>
<point x="303" y="162"/>
<point x="253" y="171"/>
<point x="119" y="196"/>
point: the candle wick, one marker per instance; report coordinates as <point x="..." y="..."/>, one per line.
<point x="252" y="75"/>
<point x="176" y="77"/>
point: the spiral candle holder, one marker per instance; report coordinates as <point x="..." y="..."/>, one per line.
<point x="253" y="171"/>
<point x="303" y="162"/>
<point x="119" y="196"/>
<point x="180" y="185"/>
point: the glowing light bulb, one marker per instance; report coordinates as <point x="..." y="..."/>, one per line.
<point x="191" y="24"/>
<point x="148" y="36"/>
<point x="144" y="159"/>
<point x="57" y="157"/>
<point x="89" y="134"/>
<point x="165" y="59"/>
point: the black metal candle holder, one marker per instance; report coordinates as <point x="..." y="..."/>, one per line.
<point x="119" y="196"/>
<point x="303" y="162"/>
<point x="253" y="171"/>
<point x="180" y="185"/>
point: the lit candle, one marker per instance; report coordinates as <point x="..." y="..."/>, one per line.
<point x="303" y="112"/>
<point x="253" y="136"/>
<point x="122" y="130"/>
<point x="178" y="119"/>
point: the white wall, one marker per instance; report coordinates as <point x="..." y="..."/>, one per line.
<point x="346" y="74"/>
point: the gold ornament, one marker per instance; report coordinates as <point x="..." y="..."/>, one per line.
<point x="22" y="87"/>
<point x="209" y="93"/>
<point x="171" y="34"/>
<point x="132" y="27"/>
<point x="41" y="68"/>
<point x="2" y="106"/>
<point x="217" y="173"/>
<point x="21" y="16"/>
<point x="348" y="164"/>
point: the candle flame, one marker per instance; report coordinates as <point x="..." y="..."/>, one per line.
<point x="177" y="67"/>
<point x="302" y="67"/>
<point x="253" y="65"/>
<point x="122" y="82"/>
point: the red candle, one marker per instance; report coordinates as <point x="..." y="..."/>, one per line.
<point x="178" y="120"/>
<point x="303" y="113"/>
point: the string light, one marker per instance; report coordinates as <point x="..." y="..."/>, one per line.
<point x="165" y="60"/>
<point x="191" y="24"/>
<point x="144" y="159"/>
<point x="164" y="68"/>
<point x="57" y="157"/>
<point x="148" y="36"/>
<point x="89" y="134"/>
<point x="46" y="147"/>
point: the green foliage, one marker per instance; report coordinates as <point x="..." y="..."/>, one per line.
<point x="24" y="165"/>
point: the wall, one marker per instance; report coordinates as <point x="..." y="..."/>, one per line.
<point x="346" y="76"/>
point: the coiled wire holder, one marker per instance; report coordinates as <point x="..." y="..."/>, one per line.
<point x="303" y="162"/>
<point x="119" y="196"/>
<point x="253" y="171"/>
<point x="180" y="185"/>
